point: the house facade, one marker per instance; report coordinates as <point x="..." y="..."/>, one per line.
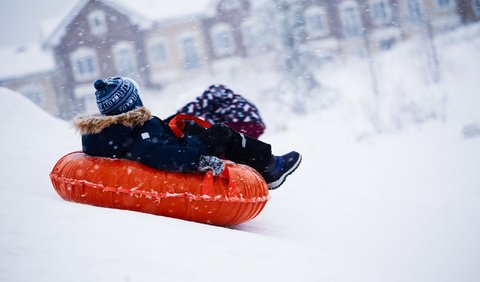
<point x="38" y="88"/>
<point x="378" y="24"/>
<point x="469" y="10"/>
<point x="95" y="40"/>
<point x="175" y="50"/>
<point x="30" y="72"/>
<point x="223" y="31"/>
<point x="439" y="15"/>
<point x="347" y="26"/>
<point x="100" y="38"/>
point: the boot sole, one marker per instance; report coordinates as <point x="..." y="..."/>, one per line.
<point x="279" y="182"/>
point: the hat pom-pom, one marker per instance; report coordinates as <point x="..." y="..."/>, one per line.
<point x="100" y="84"/>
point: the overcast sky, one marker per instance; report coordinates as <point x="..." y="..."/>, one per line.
<point x="20" y="19"/>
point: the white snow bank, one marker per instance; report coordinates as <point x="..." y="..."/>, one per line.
<point x="30" y="143"/>
<point x="47" y="239"/>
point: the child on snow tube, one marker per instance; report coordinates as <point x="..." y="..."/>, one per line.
<point x="125" y="129"/>
<point x="219" y="104"/>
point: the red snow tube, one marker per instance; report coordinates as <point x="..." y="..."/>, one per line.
<point x="234" y="197"/>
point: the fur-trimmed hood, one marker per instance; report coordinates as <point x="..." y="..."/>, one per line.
<point x="93" y="124"/>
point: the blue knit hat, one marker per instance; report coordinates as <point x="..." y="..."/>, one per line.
<point x="116" y="95"/>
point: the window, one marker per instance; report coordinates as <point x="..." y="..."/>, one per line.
<point x="248" y="34"/>
<point x="444" y="4"/>
<point x="380" y="11"/>
<point x="34" y="93"/>
<point x="84" y="64"/>
<point x="189" y="52"/>
<point x="316" y="21"/>
<point x="97" y="22"/>
<point x="124" y="57"/>
<point x="476" y="7"/>
<point x="351" y="19"/>
<point x="158" y="52"/>
<point x="414" y="10"/>
<point x="222" y="39"/>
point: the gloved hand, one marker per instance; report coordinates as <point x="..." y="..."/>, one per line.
<point x="211" y="163"/>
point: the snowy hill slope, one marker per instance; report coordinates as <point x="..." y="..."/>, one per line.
<point x="47" y="239"/>
<point x="402" y="206"/>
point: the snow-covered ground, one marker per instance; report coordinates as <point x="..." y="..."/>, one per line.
<point x="402" y="205"/>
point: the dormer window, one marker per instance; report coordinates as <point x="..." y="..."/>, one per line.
<point x="97" y="22"/>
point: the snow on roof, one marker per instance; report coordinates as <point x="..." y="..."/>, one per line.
<point x="48" y="26"/>
<point x="142" y="12"/>
<point x="24" y="60"/>
<point x="159" y="10"/>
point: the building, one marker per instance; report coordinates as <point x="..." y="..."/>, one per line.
<point x="469" y="10"/>
<point x="223" y="30"/>
<point x="377" y="24"/>
<point x="30" y="71"/>
<point x="176" y="50"/>
<point x="96" y="39"/>
<point x="100" y="38"/>
<point x="157" y="44"/>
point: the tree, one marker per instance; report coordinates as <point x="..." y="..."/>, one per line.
<point x="295" y="62"/>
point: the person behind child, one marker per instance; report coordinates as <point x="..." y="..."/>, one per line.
<point x="125" y="129"/>
<point x="219" y="104"/>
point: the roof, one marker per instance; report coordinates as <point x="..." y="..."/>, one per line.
<point x="142" y="12"/>
<point x="24" y="60"/>
<point x="160" y="10"/>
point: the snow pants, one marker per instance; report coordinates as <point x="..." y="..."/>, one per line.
<point x="224" y="142"/>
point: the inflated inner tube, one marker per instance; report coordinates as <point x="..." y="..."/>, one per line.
<point x="238" y="195"/>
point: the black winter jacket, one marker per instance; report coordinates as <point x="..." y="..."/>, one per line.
<point x="139" y="136"/>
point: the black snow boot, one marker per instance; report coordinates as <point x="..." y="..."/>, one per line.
<point x="280" y="167"/>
